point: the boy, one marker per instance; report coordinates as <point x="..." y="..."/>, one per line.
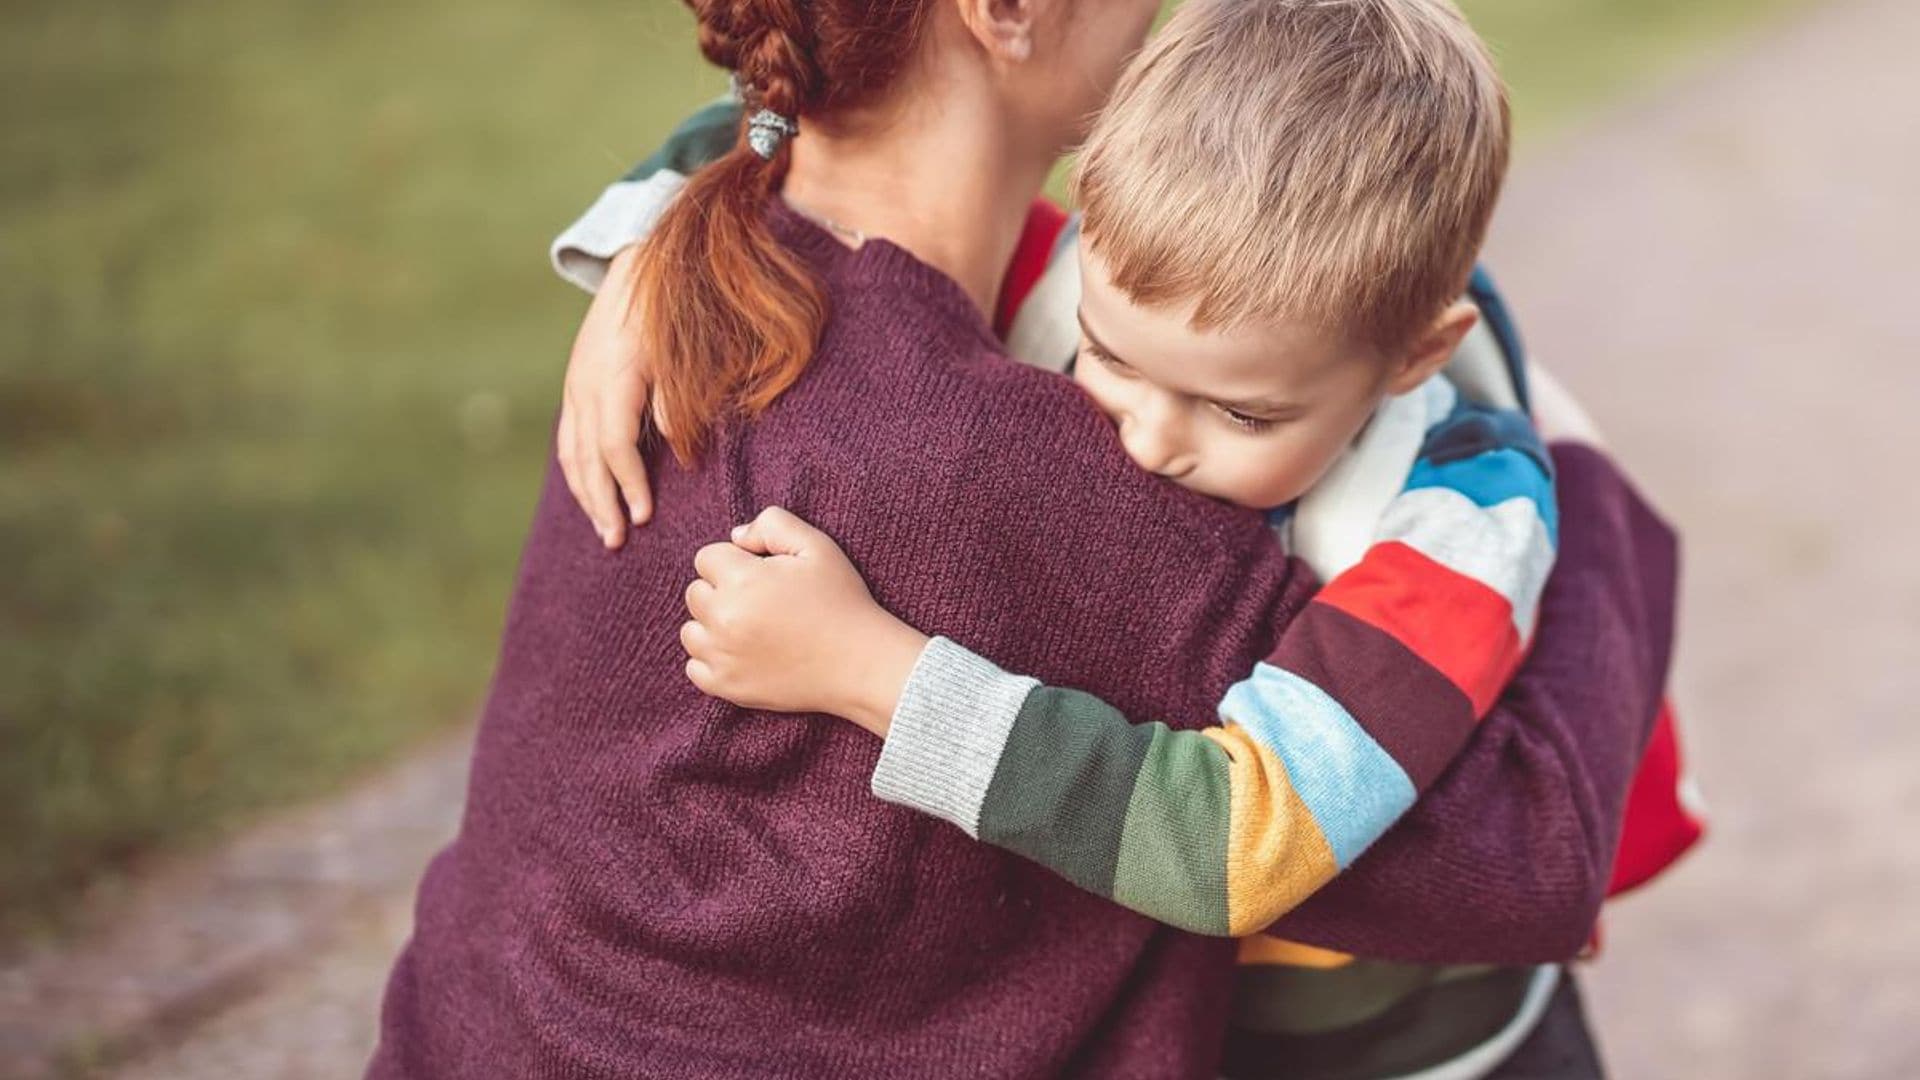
<point x="1283" y="204"/>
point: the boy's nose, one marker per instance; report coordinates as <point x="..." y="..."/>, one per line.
<point x="1154" y="440"/>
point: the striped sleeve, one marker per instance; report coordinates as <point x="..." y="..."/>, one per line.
<point x="626" y="212"/>
<point x="1368" y="695"/>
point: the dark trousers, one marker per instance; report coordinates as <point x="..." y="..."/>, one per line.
<point x="1560" y="1048"/>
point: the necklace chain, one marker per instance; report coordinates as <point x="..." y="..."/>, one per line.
<point x="851" y="235"/>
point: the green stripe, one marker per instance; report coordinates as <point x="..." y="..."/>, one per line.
<point x="1446" y="1013"/>
<point x="701" y="139"/>
<point x="1281" y="998"/>
<point x="1060" y="790"/>
<point x="1173" y="855"/>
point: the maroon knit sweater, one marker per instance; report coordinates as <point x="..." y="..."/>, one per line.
<point x="649" y="882"/>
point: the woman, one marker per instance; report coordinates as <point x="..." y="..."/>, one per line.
<point x="647" y="880"/>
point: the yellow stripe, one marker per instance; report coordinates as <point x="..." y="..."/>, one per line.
<point x="1276" y="854"/>
<point x="1267" y="949"/>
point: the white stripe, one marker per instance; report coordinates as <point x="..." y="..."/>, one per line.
<point x="948" y="733"/>
<point x="1479" y="369"/>
<point x="625" y="213"/>
<point x="1504" y="547"/>
<point x="1046" y="328"/>
<point x="1334" y="524"/>
<point x="1438" y="397"/>
<point x="1487" y="1056"/>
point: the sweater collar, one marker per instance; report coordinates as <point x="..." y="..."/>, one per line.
<point x="878" y="262"/>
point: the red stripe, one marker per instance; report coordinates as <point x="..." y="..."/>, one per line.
<point x="1030" y="258"/>
<point x="1456" y="624"/>
<point x="1658" y="828"/>
<point x="1407" y="706"/>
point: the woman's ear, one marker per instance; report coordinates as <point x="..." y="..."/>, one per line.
<point x="1434" y="346"/>
<point x="1004" y="28"/>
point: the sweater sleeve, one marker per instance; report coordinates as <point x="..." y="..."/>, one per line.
<point x="629" y="207"/>
<point x="1507" y="858"/>
<point x="1323" y="746"/>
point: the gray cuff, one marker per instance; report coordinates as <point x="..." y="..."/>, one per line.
<point x="948" y="733"/>
<point x="625" y="213"/>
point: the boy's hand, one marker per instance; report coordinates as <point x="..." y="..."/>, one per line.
<point x="606" y="396"/>
<point x="783" y="621"/>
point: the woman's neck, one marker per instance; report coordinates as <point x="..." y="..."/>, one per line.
<point x="939" y="178"/>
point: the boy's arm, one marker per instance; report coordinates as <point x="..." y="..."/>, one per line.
<point x="1369" y="693"/>
<point x="627" y="210"/>
<point x="607" y="389"/>
<point x="1508" y="857"/>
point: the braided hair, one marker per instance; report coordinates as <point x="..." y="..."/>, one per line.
<point x="729" y="315"/>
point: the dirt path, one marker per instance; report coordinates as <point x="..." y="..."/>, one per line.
<point x="1726" y="274"/>
<point x="1723" y="271"/>
<point x="265" y="955"/>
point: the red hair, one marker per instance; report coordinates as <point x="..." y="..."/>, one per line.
<point x="731" y="317"/>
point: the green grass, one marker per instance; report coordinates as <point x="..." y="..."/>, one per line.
<point x="278" y="358"/>
<point x="1563" y="57"/>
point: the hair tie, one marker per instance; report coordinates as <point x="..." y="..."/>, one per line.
<point x="767" y="130"/>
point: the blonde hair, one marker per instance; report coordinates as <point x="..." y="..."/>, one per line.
<point x="1330" y="160"/>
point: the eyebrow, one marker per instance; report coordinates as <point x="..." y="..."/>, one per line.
<point x="1265" y="408"/>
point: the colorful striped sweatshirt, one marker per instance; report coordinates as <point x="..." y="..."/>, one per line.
<point x="1036" y="322"/>
<point x="1367" y="696"/>
<point x="1299" y="1011"/>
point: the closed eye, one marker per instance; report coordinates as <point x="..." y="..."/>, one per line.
<point x="1243" y="421"/>
<point x="1115" y="364"/>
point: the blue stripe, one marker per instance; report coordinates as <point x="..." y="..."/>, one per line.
<point x="1064" y="244"/>
<point x="1486" y="296"/>
<point x="1492" y="478"/>
<point x="1354" y="789"/>
<point x="1473" y="428"/>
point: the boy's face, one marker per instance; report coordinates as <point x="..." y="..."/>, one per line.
<point x="1253" y="415"/>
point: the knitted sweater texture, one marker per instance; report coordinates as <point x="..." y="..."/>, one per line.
<point x="649" y="882"/>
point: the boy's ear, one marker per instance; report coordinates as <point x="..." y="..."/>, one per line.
<point x="1434" y="347"/>
<point x="1004" y="28"/>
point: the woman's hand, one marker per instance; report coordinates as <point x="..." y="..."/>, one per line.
<point x="600" y="414"/>
<point x="782" y="621"/>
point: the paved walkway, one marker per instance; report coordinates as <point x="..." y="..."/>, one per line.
<point x="265" y="956"/>
<point x="1724" y="271"/>
<point x="1727" y="275"/>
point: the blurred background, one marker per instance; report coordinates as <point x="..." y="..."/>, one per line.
<point x="280" y="351"/>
